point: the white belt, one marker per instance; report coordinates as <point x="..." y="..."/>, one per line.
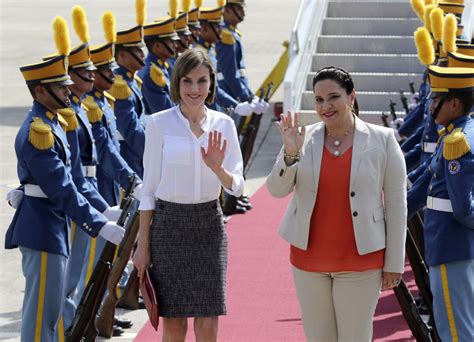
<point x="220" y="77"/>
<point x="34" y="190"/>
<point x="118" y="135"/>
<point x="89" y="171"/>
<point x="242" y="72"/>
<point x="439" y="204"/>
<point x="429" y="147"/>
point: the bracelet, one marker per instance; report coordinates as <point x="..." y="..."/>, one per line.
<point x="295" y="157"/>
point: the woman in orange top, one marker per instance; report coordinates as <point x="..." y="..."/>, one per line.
<point x="346" y="222"/>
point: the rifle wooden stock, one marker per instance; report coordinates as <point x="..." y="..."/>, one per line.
<point x="83" y="325"/>
<point x="131" y="292"/>
<point x="420" y="330"/>
<point x="105" y="317"/>
<point x="416" y="227"/>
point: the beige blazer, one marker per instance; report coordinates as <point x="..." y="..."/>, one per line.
<point x="377" y="192"/>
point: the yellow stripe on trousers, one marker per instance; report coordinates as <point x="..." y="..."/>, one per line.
<point x="61" y="330"/>
<point x="90" y="264"/>
<point x="447" y="301"/>
<point x="73" y="231"/>
<point x="41" y="295"/>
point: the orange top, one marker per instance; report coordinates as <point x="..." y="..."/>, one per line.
<point x="331" y="245"/>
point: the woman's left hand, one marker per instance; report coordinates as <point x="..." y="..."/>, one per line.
<point x="390" y="280"/>
<point x="214" y="156"/>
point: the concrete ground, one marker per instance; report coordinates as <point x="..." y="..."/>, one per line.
<point x="26" y="36"/>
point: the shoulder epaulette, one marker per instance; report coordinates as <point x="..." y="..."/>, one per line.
<point x="70" y="122"/>
<point x="238" y="32"/>
<point x="110" y="99"/>
<point x="227" y="37"/>
<point x="120" y="89"/>
<point x="40" y="135"/>
<point x="94" y="113"/>
<point x="139" y="81"/>
<point x="157" y="75"/>
<point x="455" y="145"/>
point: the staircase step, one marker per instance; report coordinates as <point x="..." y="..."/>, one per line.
<point x="367" y="81"/>
<point x="368" y="100"/>
<point x="366" y="44"/>
<point x="368" y="62"/>
<point x="377" y="9"/>
<point x="370" y="26"/>
<point x="308" y="117"/>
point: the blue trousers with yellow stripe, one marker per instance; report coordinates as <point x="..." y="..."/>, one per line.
<point x="452" y="285"/>
<point x="44" y="294"/>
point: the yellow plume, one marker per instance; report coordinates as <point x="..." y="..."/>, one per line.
<point x="108" y="25"/>
<point x="61" y="36"/>
<point x="79" y="21"/>
<point x="220" y="3"/>
<point x="426" y="16"/>
<point x="449" y="32"/>
<point x="197" y="3"/>
<point x="140" y="9"/>
<point x="431" y="2"/>
<point x="173" y="8"/>
<point x="186" y="5"/>
<point x="419" y="8"/>
<point x="436" y="18"/>
<point x="457" y="1"/>
<point x="424" y="45"/>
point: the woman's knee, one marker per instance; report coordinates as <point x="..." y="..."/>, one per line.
<point x="206" y="328"/>
<point x="174" y="329"/>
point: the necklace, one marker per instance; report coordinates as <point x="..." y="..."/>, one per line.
<point x="337" y="143"/>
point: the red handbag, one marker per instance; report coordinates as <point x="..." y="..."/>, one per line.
<point x="150" y="299"/>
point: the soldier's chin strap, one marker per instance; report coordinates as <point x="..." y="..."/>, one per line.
<point x="440" y="104"/>
<point x="107" y="79"/>
<point x="236" y="14"/>
<point x="170" y="50"/>
<point x="88" y="80"/>
<point x="138" y="59"/>
<point x="62" y="103"/>
<point x="195" y="38"/>
<point x="215" y="31"/>
<point x="182" y="44"/>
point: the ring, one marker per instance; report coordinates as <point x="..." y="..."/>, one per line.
<point x="396" y="282"/>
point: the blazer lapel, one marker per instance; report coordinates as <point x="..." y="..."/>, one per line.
<point x="359" y="145"/>
<point x="317" y="145"/>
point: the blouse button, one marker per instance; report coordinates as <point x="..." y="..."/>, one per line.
<point x="281" y="172"/>
<point x="355" y="213"/>
<point x="353" y="194"/>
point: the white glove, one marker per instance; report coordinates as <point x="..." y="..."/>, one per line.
<point x="259" y="105"/>
<point x="112" y="232"/>
<point x="14" y="198"/>
<point x="244" y="108"/>
<point x="112" y="213"/>
<point x="414" y="98"/>
<point x="397" y="135"/>
<point x="395" y="124"/>
<point x="412" y="106"/>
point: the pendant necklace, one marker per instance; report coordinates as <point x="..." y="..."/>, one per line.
<point x="337" y="143"/>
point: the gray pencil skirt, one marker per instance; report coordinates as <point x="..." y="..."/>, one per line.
<point x="188" y="245"/>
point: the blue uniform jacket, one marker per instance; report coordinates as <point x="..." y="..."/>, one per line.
<point x="450" y="236"/>
<point x="83" y="152"/>
<point x="44" y="223"/>
<point x="112" y="169"/>
<point x="414" y="118"/>
<point x="418" y="155"/>
<point x="231" y="63"/>
<point x="411" y="142"/>
<point x="223" y="100"/>
<point x="156" y="83"/>
<point x="128" y="112"/>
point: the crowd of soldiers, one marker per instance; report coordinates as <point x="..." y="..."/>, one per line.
<point x="437" y="136"/>
<point x="83" y="141"/>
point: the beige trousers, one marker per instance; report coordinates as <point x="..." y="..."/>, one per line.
<point x="338" y="306"/>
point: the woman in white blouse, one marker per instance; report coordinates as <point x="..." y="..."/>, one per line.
<point x="190" y="153"/>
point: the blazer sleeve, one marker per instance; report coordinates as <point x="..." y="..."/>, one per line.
<point x="282" y="179"/>
<point x="395" y="200"/>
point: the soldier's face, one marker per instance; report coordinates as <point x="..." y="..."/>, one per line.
<point x="100" y="82"/>
<point x="194" y="87"/>
<point x="83" y="80"/>
<point x="62" y="92"/>
<point x="234" y="14"/>
<point x="183" y="43"/>
<point x="447" y="111"/>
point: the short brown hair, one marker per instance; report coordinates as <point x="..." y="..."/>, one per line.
<point x="186" y="62"/>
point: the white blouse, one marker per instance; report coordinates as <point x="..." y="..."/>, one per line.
<point x="173" y="167"/>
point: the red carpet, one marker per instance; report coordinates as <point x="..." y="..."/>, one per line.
<point x="261" y="299"/>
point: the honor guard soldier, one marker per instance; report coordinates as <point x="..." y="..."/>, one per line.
<point x="160" y="39"/>
<point x="193" y="22"/>
<point x="41" y="226"/>
<point x="232" y="77"/>
<point x="84" y="159"/>
<point x="449" y="215"/>
<point x="129" y="107"/>
<point x="183" y="32"/>
<point x="210" y="21"/>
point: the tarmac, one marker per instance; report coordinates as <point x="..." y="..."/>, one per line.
<point x="26" y="36"/>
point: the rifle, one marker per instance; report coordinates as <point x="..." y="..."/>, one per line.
<point x="83" y="325"/>
<point x="404" y="100"/>
<point x="412" y="87"/>
<point x="392" y="110"/>
<point x="420" y="330"/>
<point x="385" y="119"/>
<point x="105" y="317"/>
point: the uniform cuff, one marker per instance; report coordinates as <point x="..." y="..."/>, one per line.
<point x="147" y="203"/>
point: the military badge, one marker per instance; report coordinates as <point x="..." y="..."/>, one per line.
<point x="454" y="167"/>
